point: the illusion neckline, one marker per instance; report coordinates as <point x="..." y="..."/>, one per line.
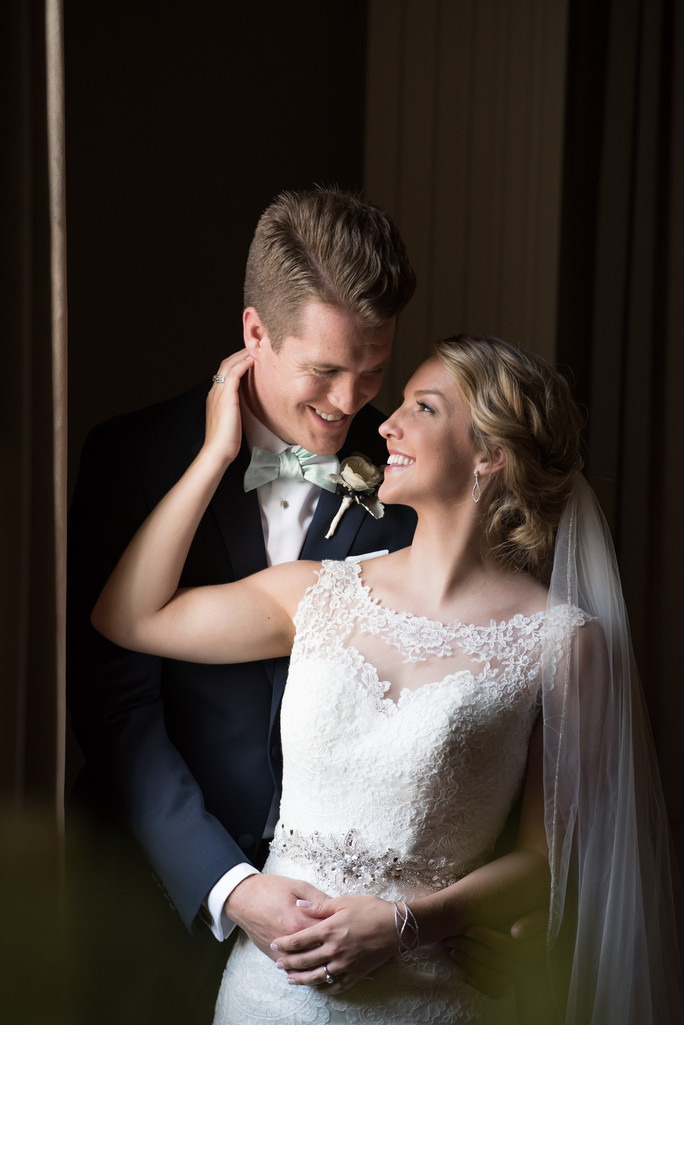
<point x="518" y="619"/>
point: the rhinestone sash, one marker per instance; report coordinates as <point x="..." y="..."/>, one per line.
<point x="344" y="861"/>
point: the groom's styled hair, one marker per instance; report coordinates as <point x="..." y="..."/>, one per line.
<point x="330" y="246"/>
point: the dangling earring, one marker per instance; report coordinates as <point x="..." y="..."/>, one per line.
<point x="476" y="489"/>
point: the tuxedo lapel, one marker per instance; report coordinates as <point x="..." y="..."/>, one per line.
<point x="235" y="512"/>
<point x="363" y="436"/>
<point x="238" y="519"/>
<point x="316" y="546"/>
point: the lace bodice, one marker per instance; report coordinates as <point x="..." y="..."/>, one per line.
<point x="421" y="764"/>
<point x="404" y="745"/>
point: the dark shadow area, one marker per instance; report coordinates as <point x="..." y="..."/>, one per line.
<point x="182" y="124"/>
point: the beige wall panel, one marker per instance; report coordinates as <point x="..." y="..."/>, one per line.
<point x="464" y="146"/>
<point x="383" y="110"/>
<point x="447" y="286"/>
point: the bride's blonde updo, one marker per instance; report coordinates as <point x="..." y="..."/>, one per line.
<point x="519" y="404"/>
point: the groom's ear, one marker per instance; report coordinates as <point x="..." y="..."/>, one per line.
<point x="254" y="331"/>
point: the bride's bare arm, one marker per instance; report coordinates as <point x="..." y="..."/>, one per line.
<point x="141" y="607"/>
<point x="358" y="933"/>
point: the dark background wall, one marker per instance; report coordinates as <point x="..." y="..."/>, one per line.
<point x="183" y="121"/>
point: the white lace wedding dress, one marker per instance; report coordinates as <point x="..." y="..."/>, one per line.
<point x="404" y="748"/>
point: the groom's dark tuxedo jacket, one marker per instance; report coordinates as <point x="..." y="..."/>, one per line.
<point x="187" y="755"/>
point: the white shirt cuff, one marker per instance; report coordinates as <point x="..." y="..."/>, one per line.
<point x="221" y="925"/>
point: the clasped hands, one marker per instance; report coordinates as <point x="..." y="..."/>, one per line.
<point x="318" y="938"/>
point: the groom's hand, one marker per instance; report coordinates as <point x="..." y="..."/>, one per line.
<point x="265" y="907"/>
<point x="491" y="960"/>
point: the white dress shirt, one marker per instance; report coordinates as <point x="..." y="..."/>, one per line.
<point x="287" y="507"/>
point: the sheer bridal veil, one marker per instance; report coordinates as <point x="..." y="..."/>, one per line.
<point x="612" y="923"/>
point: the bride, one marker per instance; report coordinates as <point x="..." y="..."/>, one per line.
<point x="428" y="690"/>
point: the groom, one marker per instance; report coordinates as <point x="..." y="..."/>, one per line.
<point x="187" y="756"/>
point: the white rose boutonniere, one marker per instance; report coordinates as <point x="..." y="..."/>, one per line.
<point x="359" y="479"/>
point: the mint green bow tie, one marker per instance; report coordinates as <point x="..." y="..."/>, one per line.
<point x="292" y="463"/>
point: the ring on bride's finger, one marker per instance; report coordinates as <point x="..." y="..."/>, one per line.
<point x="218" y="379"/>
<point x="328" y="977"/>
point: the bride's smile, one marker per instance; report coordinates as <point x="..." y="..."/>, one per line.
<point x="432" y="451"/>
<point x="397" y="460"/>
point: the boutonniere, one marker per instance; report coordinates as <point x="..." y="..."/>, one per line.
<point x="359" y="480"/>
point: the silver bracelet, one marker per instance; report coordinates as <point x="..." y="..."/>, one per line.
<point x="406" y="928"/>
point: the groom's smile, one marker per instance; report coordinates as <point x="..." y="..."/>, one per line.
<point x="309" y="390"/>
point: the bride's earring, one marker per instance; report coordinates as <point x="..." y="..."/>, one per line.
<point x="476" y="488"/>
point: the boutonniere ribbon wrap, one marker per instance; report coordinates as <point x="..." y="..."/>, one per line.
<point x="359" y="480"/>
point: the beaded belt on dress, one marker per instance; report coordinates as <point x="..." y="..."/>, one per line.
<point x="345" y="861"/>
